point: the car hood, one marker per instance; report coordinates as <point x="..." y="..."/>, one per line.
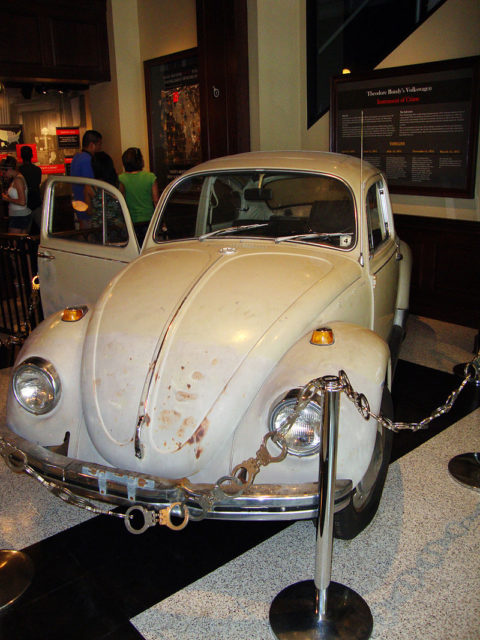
<point x="182" y="340"/>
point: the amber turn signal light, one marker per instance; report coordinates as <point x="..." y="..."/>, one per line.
<point x="73" y="314"/>
<point x="322" y="337"/>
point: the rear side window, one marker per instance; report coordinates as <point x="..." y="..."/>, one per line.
<point x="87" y="214"/>
<point x="377" y="216"/>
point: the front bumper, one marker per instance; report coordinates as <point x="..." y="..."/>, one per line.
<point x="126" y="488"/>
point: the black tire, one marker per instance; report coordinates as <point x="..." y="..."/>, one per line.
<point x="353" y="519"/>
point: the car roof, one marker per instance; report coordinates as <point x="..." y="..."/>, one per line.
<point x="336" y="164"/>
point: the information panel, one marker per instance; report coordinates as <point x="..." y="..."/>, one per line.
<point x="173" y="112"/>
<point x="418" y="124"/>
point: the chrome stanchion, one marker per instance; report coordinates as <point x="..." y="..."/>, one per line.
<point x="16" y="574"/>
<point x="465" y="468"/>
<point x="320" y="609"/>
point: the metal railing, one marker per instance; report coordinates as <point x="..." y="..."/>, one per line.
<point x="18" y="312"/>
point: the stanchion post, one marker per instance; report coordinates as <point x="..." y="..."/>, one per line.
<point x="465" y="468"/>
<point x="320" y="609"/>
<point x="326" y="489"/>
<point x="16" y="574"/>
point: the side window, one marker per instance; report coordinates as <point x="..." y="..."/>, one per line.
<point x="179" y="217"/>
<point x="377" y="216"/>
<point x="87" y="214"/>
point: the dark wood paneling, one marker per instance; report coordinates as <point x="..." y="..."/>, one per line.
<point x="446" y="268"/>
<point x="54" y="41"/>
<point x="223" y="71"/>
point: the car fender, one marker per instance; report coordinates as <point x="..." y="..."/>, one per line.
<point x="365" y="357"/>
<point x="60" y="343"/>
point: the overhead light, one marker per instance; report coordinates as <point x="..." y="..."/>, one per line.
<point x="346" y="71"/>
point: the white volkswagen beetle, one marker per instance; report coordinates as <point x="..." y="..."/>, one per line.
<point x="158" y="373"/>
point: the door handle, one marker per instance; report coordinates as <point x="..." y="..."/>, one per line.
<point x="47" y="256"/>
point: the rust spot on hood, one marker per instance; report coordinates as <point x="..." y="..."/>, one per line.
<point x="186" y="424"/>
<point x="182" y="396"/>
<point x="168" y="418"/>
<point x="196" y="437"/>
<point x="199" y="433"/>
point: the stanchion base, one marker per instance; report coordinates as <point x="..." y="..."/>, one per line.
<point x="465" y="469"/>
<point x="293" y="614"/>
<point x="16" y="574"/>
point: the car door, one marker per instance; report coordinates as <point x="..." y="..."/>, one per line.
<point x="383" y="263"/>
<point x="86" y="238"/>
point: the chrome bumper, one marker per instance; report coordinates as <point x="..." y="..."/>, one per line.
<point x="126" y="488"/>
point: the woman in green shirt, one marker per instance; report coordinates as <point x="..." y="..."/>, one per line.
<point x="140" y="189"/>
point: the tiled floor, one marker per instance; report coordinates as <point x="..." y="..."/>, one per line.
<point x="417" y="565"/>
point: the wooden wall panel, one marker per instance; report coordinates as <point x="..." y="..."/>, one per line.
<point x="446" y="268"/>
<point x="223" y="71"/>
<point x="54" y="41"/>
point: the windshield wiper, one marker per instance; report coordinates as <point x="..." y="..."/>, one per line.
<point x="306" y="236"/>
<point x="232" y="229"/>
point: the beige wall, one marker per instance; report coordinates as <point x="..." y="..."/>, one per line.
<point x="452" y="32"/>
<point x="166" y="27"/>
<point x="138" y="30"/>
<point x="146" y="29"/>
<point x="103" y="106"/>
<point x="274" y="31"/>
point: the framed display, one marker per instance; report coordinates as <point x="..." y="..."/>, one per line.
<point x="173" y="114"/>
<point x="33" y="147"/>
<point x="68" y="137"/>
<point x="418" y="124"/>
<point x="10" y="136"/>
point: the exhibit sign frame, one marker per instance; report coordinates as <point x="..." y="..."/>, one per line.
<point x="10" y="136"/>
<point x="418" y="124"/>
<point x="173" y="113"/>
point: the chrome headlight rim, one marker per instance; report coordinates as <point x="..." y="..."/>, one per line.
<point x="289" y="400"/>
<point x="49" y="372"/>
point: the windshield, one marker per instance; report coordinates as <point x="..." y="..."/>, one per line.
<point x="285" y="206"/>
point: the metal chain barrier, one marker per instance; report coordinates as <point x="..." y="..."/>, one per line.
<point x="471" y="372"/>
<point x="243" y="474"/>
<point x="16" y="460"/>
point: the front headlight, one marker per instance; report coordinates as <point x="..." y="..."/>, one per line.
<point x="302" y="439"/>
<point x="36" y="385"/>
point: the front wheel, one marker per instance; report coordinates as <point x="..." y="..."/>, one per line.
<point x="365" y="498"/>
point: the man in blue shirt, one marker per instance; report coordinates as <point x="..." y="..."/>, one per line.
<point x="82" y="167"/>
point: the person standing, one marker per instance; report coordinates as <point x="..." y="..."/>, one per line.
<point x="19" y="215"/>
<point x="81" y="167"/>
<point x="101" y="202"/>
<point x="140" y="189"/>
<point x="33" y="178"/>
